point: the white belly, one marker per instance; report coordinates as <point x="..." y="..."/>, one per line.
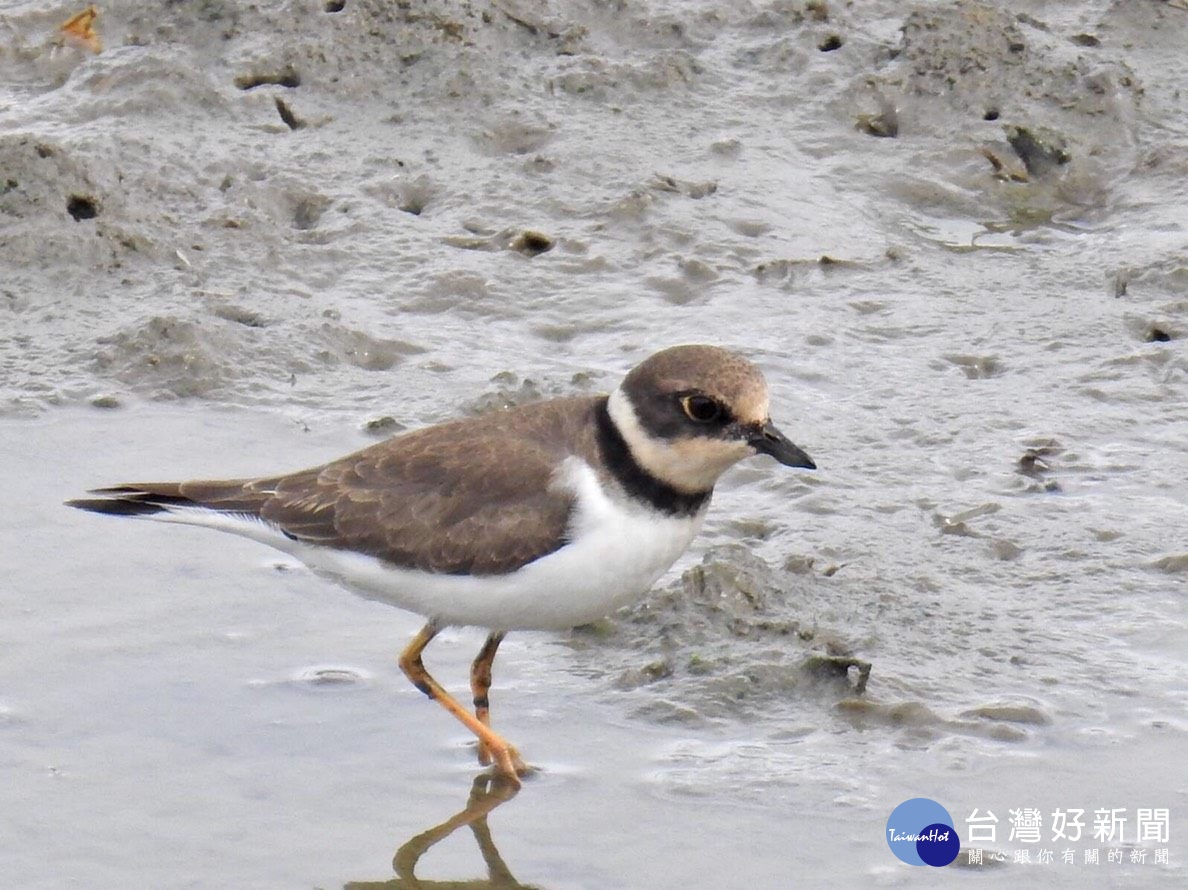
<point x="615" y="553"/>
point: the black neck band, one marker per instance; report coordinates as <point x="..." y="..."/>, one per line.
<point x="637" y="481"/>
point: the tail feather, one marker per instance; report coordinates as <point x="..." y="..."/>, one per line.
<point x="148" y="499"/>
<point x="230" y="506"/>
<point x="117" y="506"/>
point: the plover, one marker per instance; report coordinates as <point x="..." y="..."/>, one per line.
<point x="542" y="517"/>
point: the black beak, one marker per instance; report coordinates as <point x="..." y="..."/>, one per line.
<point x="769" y="440"/>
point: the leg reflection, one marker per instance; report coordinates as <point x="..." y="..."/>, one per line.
<point x="487" y="793"/>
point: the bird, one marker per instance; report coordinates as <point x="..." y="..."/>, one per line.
<point x="544" y="516"/>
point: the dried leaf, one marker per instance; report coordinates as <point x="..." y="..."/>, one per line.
<point x="79" y="30"/>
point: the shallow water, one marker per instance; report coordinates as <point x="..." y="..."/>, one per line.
<point x="989" y="372"/>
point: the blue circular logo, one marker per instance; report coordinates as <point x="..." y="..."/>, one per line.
<point x="920" y="832"/>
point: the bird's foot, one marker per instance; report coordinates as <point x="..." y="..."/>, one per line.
<point x="486" y="758"/>
<point x="508" y="763"/>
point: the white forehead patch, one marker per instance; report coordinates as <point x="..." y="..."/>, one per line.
<point x="755" y="409"/>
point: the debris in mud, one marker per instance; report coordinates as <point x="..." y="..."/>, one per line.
<point x="1032" y="463"/>
<point x="285" y="77"/>
<point x="292" y="121"/>
<point x="831" y="667"/>
<point x="660" y="669"/>
<point x="79" y="30"/>
<point x="1002" y="170"/>
<point x="694" y="190"/>
<point x="957" y="523"/>
<point x="386" y="425"/>
<point x="787" y="270"/>
<point x="527" y="242"/>
<point x="883" y="123"/>
<point x="974" y="367"/>
<point x="1037" y="462"/>
<point x="240" y="315"/>
<point x="1040" y="152"/>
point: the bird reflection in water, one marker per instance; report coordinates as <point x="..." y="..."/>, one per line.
<point x="487" y="793"/>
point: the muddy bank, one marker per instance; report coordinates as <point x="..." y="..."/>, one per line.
<point x="245" y="238"/>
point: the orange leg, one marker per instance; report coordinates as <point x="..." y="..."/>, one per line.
<point x="480" y="686"/>
<point x="507" y="759"/>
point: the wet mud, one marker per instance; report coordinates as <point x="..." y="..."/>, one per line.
<point x="242" y="238"/>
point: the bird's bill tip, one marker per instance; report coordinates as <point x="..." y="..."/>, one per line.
<point x="769" y="440"/>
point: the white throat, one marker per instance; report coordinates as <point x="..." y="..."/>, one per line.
<point x="690" y="465"/>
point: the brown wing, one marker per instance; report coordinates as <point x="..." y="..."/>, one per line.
<point x="439" y="502"/>
<point x="459" y="498"/>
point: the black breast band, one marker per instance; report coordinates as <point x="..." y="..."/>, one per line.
<point x="637" y="481"/>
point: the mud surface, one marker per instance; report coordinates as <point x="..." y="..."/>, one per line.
<point x="249" y="237"/>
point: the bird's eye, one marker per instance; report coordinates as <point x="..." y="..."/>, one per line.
<point x="701" y="409"/>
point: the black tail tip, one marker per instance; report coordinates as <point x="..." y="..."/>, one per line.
<point x="116" y="506"/>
